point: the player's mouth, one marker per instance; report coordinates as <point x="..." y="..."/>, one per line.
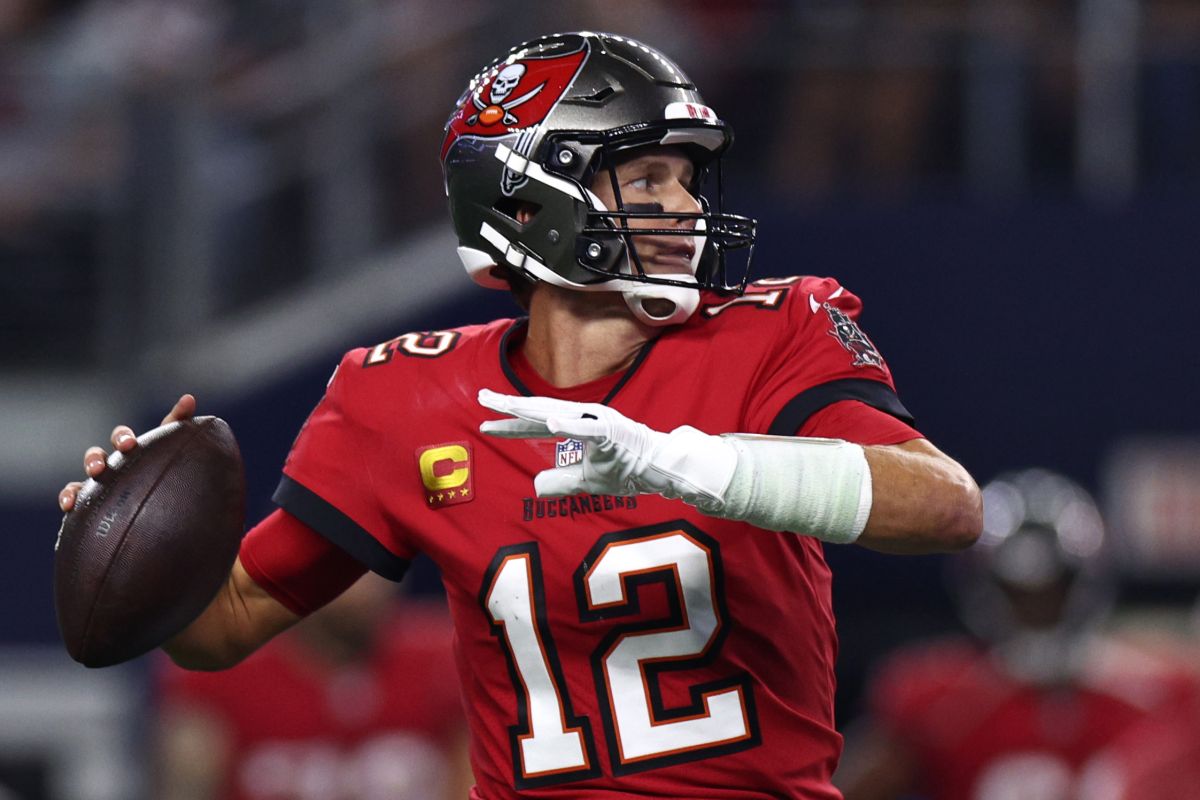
<point x="676" y="258"/>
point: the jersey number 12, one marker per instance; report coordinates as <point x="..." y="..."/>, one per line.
<point x="553" y="745"/>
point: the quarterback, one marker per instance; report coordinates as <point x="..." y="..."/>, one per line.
<point x="627" y="490"/>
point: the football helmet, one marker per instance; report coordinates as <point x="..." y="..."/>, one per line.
<point x="533" y="129"/>
<point x="1039" y="580"/>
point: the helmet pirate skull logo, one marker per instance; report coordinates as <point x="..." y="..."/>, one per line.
<point x="500" y="108"/>
<point x="506" y="81"/>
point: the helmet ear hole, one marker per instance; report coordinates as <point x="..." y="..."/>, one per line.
<point x="519" y="211"/>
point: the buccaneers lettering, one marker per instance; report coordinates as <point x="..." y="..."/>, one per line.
<point x="568" y="507"/>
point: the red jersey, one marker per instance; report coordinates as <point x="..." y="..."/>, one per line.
<point x="610" y="646"/>
<point x="300" y="728"/>
<point x="1158" y="758"/>
<point x="977" y="733"/>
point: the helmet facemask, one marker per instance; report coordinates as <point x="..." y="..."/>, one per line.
<point x="665" y="298"/>
<point x="721" y="232"/>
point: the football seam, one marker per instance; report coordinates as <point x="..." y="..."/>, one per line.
<point x="87" y="629"/>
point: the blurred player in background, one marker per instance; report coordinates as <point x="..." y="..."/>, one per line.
<point x="325" y="712"/>
<point x="1158" y="758"/>
<point x="641" y="604"/>
<point x="1018" y="712"/>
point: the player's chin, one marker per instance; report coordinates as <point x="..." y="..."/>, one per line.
<point x="679" y="263"/>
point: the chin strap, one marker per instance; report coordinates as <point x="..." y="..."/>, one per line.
<point x="682" y="299"/>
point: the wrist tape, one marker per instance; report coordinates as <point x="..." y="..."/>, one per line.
<point x="815" y="487"/>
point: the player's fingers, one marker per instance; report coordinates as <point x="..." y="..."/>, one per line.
<point x="531" y="408"/>
<point x="588" y="428"/>
<point x="94" y="461"/>
<point x="123" y="438"/>
<point x="560" y="481"/>
<point x="495" y="401"/>
<point x="184" y="408"/>
<point x="510" y="404"/>
<point x="515" y="429"/>
<point x="66" y="498"/>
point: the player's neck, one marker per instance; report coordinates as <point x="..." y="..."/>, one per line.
<point x="576" y="337"/>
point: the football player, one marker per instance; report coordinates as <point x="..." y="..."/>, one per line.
<point x="1020" y="709"/>
<point x="628" y="490"/>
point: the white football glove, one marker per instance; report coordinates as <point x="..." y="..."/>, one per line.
<point x="816" y="487"/>
<point x="621" y="457"/>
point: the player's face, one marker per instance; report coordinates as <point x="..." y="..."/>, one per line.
<point x="660" y="176"/>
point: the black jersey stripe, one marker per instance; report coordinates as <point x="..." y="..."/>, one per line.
<point x="810" y="401"/>
<point x="320" y="515"/>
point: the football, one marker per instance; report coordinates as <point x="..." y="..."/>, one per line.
<point x="149" y="542"/>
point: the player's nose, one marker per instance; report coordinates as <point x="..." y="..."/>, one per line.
<point x="680" y="200"/>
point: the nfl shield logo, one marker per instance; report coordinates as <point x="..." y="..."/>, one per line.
<point x="568" y="452"/>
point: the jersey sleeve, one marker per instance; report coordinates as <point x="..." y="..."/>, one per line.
<point x="295" y="565"/>
<point x="333" y="477"/>
<point x="855" y="421"/>
<point x="818" y="357"/>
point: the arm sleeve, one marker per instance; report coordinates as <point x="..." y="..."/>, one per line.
<point x="818" y="358"/>
<point x="296" y="565"/>
<point x="334" y="479"/>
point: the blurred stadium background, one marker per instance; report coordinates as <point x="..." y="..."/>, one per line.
<point x="218" y="197"/>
